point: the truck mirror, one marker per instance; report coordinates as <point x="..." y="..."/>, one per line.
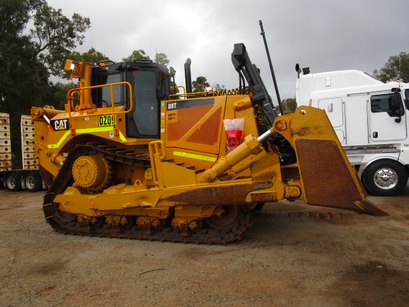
<point x="395" y="104"/>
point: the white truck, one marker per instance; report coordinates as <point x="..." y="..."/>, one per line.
<point x="371" y="120"/>
<point x="28" y="176"/>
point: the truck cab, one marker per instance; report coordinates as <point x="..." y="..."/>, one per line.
<point x="370" y="119"/>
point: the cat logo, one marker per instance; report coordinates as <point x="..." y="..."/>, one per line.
<point x="60" y="124"/>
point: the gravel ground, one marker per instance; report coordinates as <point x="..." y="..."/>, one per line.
<point x="294" y="255"/>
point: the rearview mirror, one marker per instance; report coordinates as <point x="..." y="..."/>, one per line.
<point x="395" y="105"/>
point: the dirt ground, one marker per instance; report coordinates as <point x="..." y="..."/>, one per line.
<point x="295" y="255"/>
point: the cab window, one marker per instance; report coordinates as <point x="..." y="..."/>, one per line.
<point x="389" y="103"/>
<point x="106" y="91"/>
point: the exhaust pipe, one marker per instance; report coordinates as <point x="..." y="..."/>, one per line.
<point x="188" y="75"/>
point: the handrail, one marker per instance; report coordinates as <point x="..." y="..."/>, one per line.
<point x="211" y="93"/>
<point x="77" y="91"/>
<point x="178" y="86"/>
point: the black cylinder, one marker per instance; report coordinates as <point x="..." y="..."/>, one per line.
<point x="188" y="76"/>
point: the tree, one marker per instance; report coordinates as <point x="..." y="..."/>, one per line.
<point x="289" y="105"/>
<point x="173" y="86"/>
<point x="54" y="36"/>
<point x="14" y="16"/>
<point x="200" y="84"/>
<point x="91" y="56"/>
<point x="397" y="68"/>
<point x="172" y="72"/>
<point x="137" y="55"/>
<point x="16" y="79"/>
<point x="218" y="87"/>
<point x="27" y="58"/>
<point x="162" y="59"/>
<point x="60" y="91"/>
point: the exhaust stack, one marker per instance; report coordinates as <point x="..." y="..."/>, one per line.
<point x="188" y="75"/>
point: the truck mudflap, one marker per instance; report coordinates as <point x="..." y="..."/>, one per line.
<point x="327" y="176"/>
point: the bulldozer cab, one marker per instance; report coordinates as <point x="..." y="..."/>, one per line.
<point x="150" y="83"/>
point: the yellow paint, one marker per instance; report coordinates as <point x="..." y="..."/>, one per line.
<point x="60" y="141"/>
<point x="122" y="137"/>
<point x="85" y="131"/>
<point x="194" y="156"/>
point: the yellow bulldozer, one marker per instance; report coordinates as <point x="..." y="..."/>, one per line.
<point x="129" y="159"/>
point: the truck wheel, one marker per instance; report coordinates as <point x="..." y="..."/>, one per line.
<point x="385" y="178"/>
<point x="33" y="182"/>
<point x="13" y="182"/>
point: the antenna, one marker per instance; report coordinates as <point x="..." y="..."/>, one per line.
<point x="90" y="34"/>
<point x="271" y="67"/>
<point x="400" y="67"/>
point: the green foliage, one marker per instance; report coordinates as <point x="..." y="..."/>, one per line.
<point x="396" y="68"/>
<point x="200" y="84"/>
<point x="219" y="87"/>
<point x="14" y="16"/>
<point x="172" y="72"/>
<point x="173" y="85"/>
<point x="137" y="55"/>
<point x="54" y="36"/>
<point x="60" y="93"/>
<point x="91" y="56"/>
<point x="29" y="56"/>
<point x="162" y="59"/>
<point x="289" y="105"/>
<point x="27" y="60"/>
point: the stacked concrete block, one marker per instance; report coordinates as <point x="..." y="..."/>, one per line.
<point x="27" y="143"/>
<point x="5" y="143"/>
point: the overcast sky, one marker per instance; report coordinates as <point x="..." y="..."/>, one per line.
<point x="323" y="34"/>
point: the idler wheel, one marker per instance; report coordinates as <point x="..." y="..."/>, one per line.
<point x="91" y="172"/>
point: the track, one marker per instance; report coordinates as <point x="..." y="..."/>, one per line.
<point x="71" y="224"/>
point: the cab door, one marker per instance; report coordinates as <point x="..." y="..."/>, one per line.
<point x="143" y="121"/>
<point x="387" y="121"/>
